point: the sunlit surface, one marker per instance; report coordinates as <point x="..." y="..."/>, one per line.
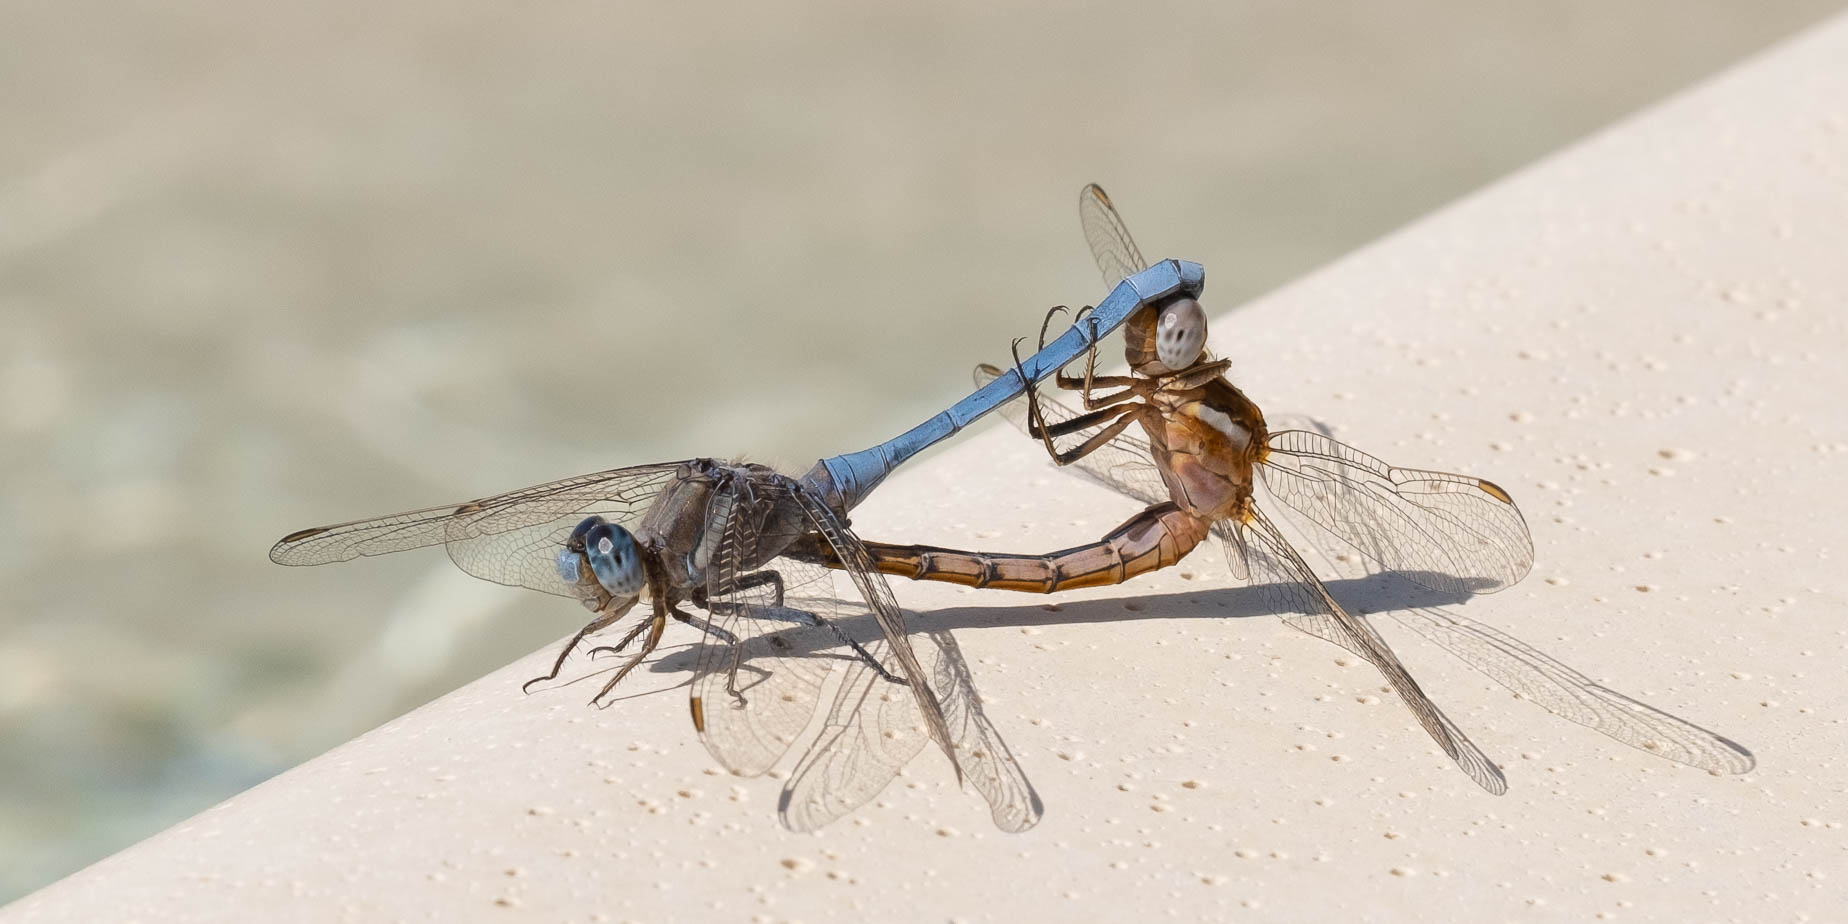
<point x="262" y="267"/>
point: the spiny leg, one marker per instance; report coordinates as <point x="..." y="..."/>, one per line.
<point x="1081" y="422"/>
<point x="703" y="625"/>
<point x="619" y="646"/>
<point x="1195" y="376"/>
<point x="655" y="625"/>
<point x="1073" y="383"/>
<point x="703" y="596"/>
<point x="1046" y="324"/>
<point x="1125" y="415"/>
<point x="602" y="621"/>
<point x="1036" y="423"/>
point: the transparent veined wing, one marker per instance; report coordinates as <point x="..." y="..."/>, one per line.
<point x="1111" y="246"/>
<point x="786" y="625"/>
<point x="758" y="679"/>
<point x="1452" y="533"/>
<point x="1533" y="675"/>
<point x="877" y="594"/>
<point x="1538" y="677"/>
<point x="986" y="761"/>
<point x="871" y="731"/>
<point x="874" y="726"/>
<point x="510" y="538"/>
<point x="1291" y="589"/>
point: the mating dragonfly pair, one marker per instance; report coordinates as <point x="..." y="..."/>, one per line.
<point x="757" y="551"/>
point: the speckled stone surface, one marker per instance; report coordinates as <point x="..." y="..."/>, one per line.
<point x="1640" y="338"/>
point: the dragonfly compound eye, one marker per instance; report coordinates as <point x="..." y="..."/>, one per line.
<point x="614" y="559"/>
<point x="570" y="561"/>
<point x="1180" y="334"/>
<point x="570" y="565"/>
<point x="576" y="542"/>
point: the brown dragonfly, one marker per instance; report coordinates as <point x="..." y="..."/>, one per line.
<point x="1209" y="462"/>
<point x="1207" y="451"/>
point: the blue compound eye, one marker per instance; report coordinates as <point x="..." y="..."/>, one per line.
<point x="570" y="560"/>
<point x="614" y="559"/>
<point x="576" y="541"/>
<point x="570" y="565"/>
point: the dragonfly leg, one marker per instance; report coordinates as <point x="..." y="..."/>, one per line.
<point x="702" y="597"/>
<point x="1074" y="383"/>
<point x="1036" y="423"/>
<point x="805" y="618"/>
<point x="1081" y="422"/>
<point x="602" y="621"/>
<point x="1125" y="415"/>
<point x="1065" y="381"/>
<point x="1055" y="311"/>
<point x="1133" y="388"/>
<point x="619" y="646"/>
<point x="1195" y="376"/>
<point x="774" y="611"/>
<point x="703" y="625"/>
<point x="731" y="676"/>
<point x="654" y="625"/>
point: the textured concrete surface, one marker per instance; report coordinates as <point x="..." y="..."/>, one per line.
<point x="1640" y="338"/>
<point x="264" y="266"/>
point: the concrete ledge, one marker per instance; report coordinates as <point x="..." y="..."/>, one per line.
<point x="1642" y="338"/>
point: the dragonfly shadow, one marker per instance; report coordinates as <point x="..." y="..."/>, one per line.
<point x="1524" y="670"/>
<point x="1378" y="592"/>
<point x="1517" y="666"/>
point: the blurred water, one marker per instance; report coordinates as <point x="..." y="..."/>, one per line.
<point x="262" y="268"/>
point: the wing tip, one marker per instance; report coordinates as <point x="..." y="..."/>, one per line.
<point x="282" y="552"/>
<point x="1494" y="490"/>
<point x="300" y="534"/>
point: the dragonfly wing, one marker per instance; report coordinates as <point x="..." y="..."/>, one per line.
<point x="1452" y="533"/>
<point x="1234" y="553"/>
<point x="877" y="596"/>
<point x="1534" y="675"/>
<point x="1293" y="590"/>
<point x="985" y="758"/>
<point x="509" y="539"/>
<point x="761" y="669"/>
<point x="871" y="731"/>
<point x="1109" y="240"/>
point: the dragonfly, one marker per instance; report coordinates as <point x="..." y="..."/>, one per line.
<point x="713" y="534"/>
<point x="1209" y="462"/>
<point x="1206" y="451"/>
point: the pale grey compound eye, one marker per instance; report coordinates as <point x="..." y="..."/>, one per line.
<point x="614" y="559"/>
<point x="1180" y="334"/>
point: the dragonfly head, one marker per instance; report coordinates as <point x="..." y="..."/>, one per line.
<point x="608" y="552"/>
<point x="1180" y="333"/>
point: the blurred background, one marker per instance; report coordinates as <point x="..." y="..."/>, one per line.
<point x="264" y="267"/>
